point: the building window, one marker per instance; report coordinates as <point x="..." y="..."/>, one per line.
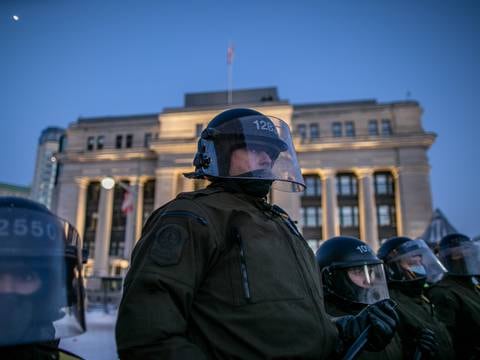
<point x="119" y="221"/>
<point x="384" y="184"/>
<point x="373" y="127"/>
<point x="302" y="131"/>
<point x="348" y="216"/>
<point x="314" y="133"/>
<point x="147" y="139"/>
<point x="90" y="143"/>
<point x="386" y="127"/>
<point x="349" y="129"/>
<point x="386" y="215"/>
<point x="346" y="185"/>
<point x="100" y="142"/>
<point x="129" y="141"/>
<point x="311" y="216"/>
<point x="313" y="186"/>
<point x="337" y="129"/>
<point x="198" y="130"/>
<point x="118" y="141"/>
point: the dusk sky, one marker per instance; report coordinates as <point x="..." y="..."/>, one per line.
<point x="65" y="59"/>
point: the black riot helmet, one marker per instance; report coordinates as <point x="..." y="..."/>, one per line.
<point x="410" y="261"/>
<point x="350" y="271"/>
<point x="460" y="255"/>
<point x="267" y="145"/>
<point x="41" y="288"/>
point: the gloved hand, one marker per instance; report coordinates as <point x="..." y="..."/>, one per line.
<point x="382" y="319"/>
<point x="427" y="343"/>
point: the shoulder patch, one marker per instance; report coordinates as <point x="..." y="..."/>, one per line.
<point x="168" y="245"/>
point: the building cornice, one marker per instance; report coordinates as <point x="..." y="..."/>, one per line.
<point x="105" y="155"/>
<point x="366" y="143"/>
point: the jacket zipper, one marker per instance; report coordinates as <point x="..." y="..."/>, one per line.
<point x="199" y="219"/>
<point x="243" y="268"/>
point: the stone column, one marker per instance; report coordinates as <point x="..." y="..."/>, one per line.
<point x="165" y="186"/>
<point x="130" y="225"/>
<point x="82" y="184"/>
<point x="103" y="233"/>
<point x="139" y="207"/>
<point x="413" y="206"/>
<point x="329" y="204"/>
<point x="368" y="213"/>
<point x="188" y="184"/>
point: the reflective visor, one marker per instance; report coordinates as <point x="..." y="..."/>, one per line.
<point x="413" y="260"/>
<point x="463" y="259"/>
<point x="41" y="288"/>
<point x="254" y="147"/>
<point x="364" y="284"/>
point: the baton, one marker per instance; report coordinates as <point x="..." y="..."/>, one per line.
<point x="357" y="345"/>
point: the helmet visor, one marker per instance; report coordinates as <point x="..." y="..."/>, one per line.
<point x="254" y="147"/>
<point x="364" y="284"/>
<point x="413" y="260"/>
<point x="463" y="259"/>
<point x="41" y="289"/>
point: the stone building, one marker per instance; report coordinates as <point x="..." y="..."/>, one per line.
<point x="365" y="164"/>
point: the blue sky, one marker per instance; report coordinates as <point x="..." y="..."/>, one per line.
<point x="65" y="59"/>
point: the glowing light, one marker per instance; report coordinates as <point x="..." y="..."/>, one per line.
<point x="108" y="183"/>
<point x="15" y="17"/>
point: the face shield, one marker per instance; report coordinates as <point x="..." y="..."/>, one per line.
<point x="463" y="259"/>
<point x="414" y="260"/>
<point x="41" y="289"/>
<point x="363" y="284"/>
<point x="252" y="147"/>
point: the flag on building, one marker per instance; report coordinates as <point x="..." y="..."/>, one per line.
<point x="230" y="55"/>
<point x="127" y="203"/>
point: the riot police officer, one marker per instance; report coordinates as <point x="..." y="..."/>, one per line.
<point x="409" y="266"/>
<point x="220" y="273"/>
<point x="41" y="289"/>
<point x="457" y="295"/>
<point x="353" y="278"/>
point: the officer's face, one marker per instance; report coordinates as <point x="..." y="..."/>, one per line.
<point x="19" y="280"/>
<point x="244" y="160"/>
<point x="360" y="276"/>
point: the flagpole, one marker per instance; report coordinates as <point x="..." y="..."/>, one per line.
<point x="230" y="73"/>
<point x="230" y="81"/>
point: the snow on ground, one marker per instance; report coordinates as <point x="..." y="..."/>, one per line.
<point x="98" y="343"/>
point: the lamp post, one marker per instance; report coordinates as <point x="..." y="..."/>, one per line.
<point x="129" y="207"/>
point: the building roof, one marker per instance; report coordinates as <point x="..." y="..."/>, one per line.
<point x="239" y="96"/>
<point x="117" y="118"/>
<point x="12" y="187"/>
<point x="439" y="227"/>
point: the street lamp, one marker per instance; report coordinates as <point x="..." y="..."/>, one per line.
<point x="108" y="183"/>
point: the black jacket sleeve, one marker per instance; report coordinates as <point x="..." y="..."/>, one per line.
<point x="168" y="264"/>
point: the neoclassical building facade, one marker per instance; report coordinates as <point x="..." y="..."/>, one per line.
<point x="365" y="164"/>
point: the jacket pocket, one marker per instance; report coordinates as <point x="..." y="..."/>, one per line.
<point x="263" y="268"/>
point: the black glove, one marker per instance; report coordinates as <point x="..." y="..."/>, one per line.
<point x="381" y="319"/>
<point x="427" y="343"/>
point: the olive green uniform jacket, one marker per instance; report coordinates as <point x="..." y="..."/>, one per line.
<point x="457" y="302"/>
<point x="220" y="275"/>
<point x="416" y="312"/>
<point x="393" y="351"/>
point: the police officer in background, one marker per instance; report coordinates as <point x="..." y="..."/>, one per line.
<point x="353" y="278"/>
<point x="457" y="295"/>
<point x="220" y="273"/>
<point x="41" y="289"/>
<point x="410" y="265"/>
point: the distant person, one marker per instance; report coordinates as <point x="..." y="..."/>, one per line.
<point x="410" y="265"/>
<point x="457" y="295"/>
<point x="353" y="278"/>
<point x="220" y="273"/>
<point x="41" y="289"/>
